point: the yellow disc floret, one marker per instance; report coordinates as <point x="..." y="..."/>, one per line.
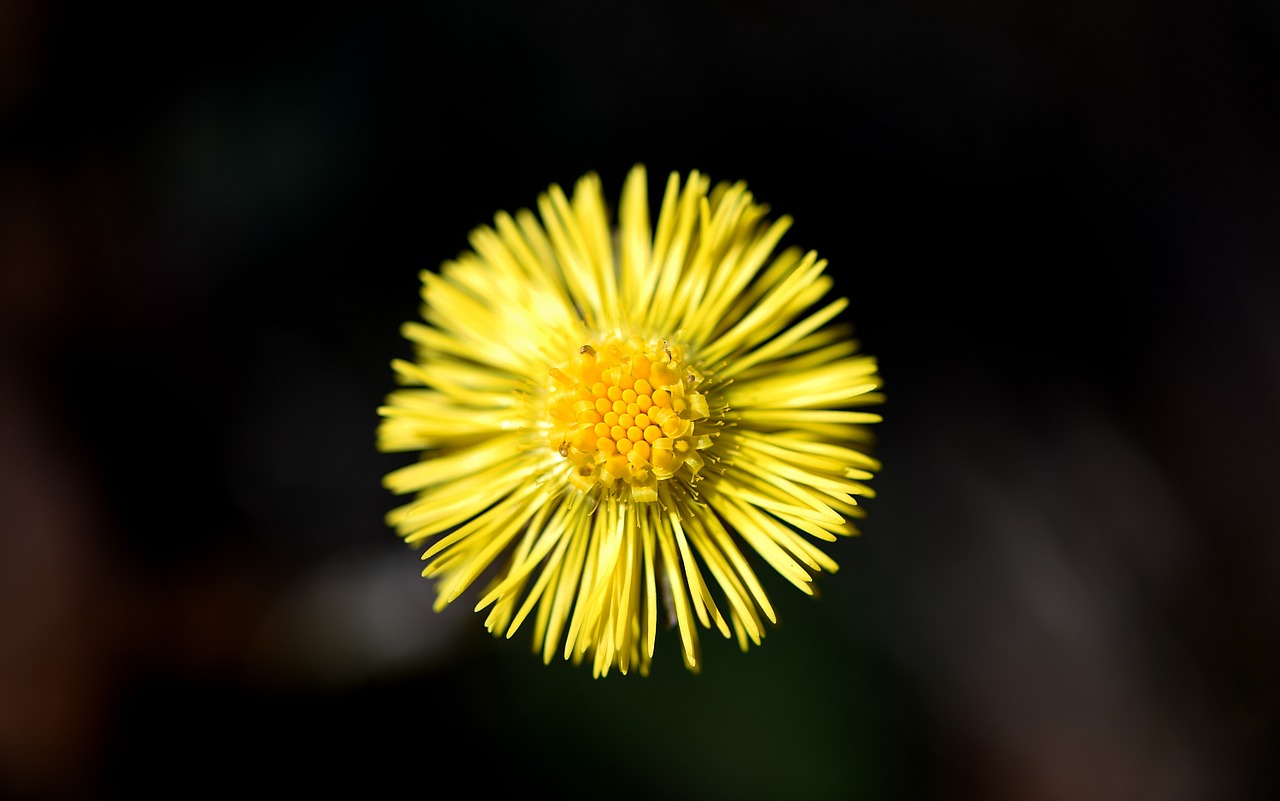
<point x="625" y="415"/>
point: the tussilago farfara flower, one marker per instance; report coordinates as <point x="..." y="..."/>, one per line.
<point x="618" y="427"/>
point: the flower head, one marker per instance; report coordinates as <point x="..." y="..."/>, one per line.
<point x="615" y="422"/>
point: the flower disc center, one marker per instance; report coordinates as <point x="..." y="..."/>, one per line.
<point x="623" y="413"/>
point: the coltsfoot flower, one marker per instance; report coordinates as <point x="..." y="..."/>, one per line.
<point x="618" y="427"/>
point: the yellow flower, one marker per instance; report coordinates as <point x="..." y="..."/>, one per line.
<point x="614" y="421"/>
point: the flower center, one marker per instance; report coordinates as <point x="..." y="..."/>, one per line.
<point x="623" y="414"/>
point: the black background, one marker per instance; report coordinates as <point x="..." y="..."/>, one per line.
<point x="1056" y="224"/>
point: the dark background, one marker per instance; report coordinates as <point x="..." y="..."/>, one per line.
<point x="1056" y="223"/>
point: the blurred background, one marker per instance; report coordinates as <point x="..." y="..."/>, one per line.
<point x="1056" y="223"/>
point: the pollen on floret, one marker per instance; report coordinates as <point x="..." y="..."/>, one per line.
<point x="622" y="413"/>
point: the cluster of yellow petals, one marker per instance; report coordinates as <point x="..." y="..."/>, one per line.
<point x="623" y="414"/>
<point x="623" y="418"/>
